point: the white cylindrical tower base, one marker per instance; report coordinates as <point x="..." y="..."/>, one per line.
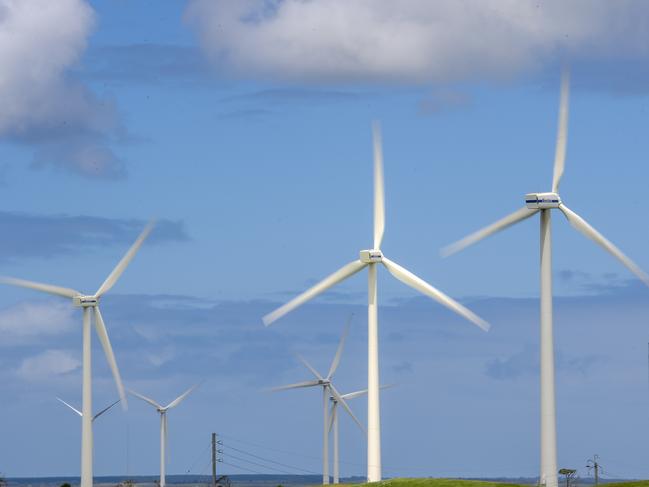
<point x="86" y="404"/>
<point x="325" y="435"/>
<point x="334" y="412"/>
<point x="163" y="448"/>
<point x="548" y="405"/>
<point x="373" y="407"/>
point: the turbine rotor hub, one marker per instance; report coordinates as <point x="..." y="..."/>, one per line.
<point x="372" y="256"/>
<point x="85" y="301"/>
<point x="542" y="201"/>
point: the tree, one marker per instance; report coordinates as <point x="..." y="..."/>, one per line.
<point x="570" y="475"/>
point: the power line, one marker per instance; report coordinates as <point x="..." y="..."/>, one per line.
<point x="269" y="448"/>
<point x="287" y="452"/>
<point x="241" y="468"/>
<point x="272" y="461"/>
<point x="390" y="468"/>
<point x="197" y="459"/>
<point x="258" y="464"/>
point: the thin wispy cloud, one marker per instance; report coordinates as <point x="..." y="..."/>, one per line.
<point x="45" y="236"/>
<point x="48" y="365"/>
<point x="146" y="63"/>
<point x="28" y="322"/>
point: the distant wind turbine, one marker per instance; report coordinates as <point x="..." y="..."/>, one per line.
<point x="328" y="390"/>
<point x="333" y="425"/>
<point x="88" y="302"/>
<point x="163" y="424"/>
<point x="370" y="259"/>
<point x="543" y="203"/>
<point x="81" y="414"/>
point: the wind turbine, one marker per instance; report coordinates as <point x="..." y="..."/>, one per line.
<point x="81" y="414"/>
<point x="88" y="302"/>
<point x="543" y="203"/>
<point x="163" y="424"/>
<point x="328" y="390"/>
<point x="333" y="425"/>
<point x="370" y="259"/>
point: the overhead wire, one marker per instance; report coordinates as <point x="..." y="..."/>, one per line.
<point x="241" y="468"/>
<point x="272" y="461"/>
<point x="257" y="463"/>
<point x="197" y="459"/>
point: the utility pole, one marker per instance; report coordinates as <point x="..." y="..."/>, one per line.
<point x="215" y="451"/>
<point x="214" y="459"/>
<point x="594" y="464"/>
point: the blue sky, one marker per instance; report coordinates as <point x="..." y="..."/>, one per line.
<point x="244" y="128"/>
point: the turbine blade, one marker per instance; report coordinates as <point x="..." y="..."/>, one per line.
<point x="297" y="385"/>
<point x="104" y="410"/>
<point x="182" y="397"/>
<point x="379" y="193"/>
<point x="37" y="286"/>
<point x="340" y="275"/>
<point x="341" y="345"/>
<point x="144" y="398"/>
<point x="562" y="131"/>
<point x="509" y="220"/>
<point x="423" y="287"/>
<point x="71" y="407"/>
<point x="102" y="333"/>
<point x="353" y="395"/>
<point x="308" y="366"/>
<point x="121" y="266"/>
<point x="580" y="224"/>
<point x="332" y="416"/>
<point x="343" y="403"/>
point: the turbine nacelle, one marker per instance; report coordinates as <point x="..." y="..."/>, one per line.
<point x="372" y="256"/>
<point x="541" y="201"/>
<point x="85" y="301"/>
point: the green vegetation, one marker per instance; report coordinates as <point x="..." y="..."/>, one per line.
<point x="429" y="482"/>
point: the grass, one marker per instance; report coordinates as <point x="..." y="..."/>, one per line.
<point x="429" y="482"/>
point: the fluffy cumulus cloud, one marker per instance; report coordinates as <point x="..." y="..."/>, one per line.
<point x="414" y="40"/>
<point x="42" y="106"/>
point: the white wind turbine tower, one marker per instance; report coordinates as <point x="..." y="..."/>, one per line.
<point x="328" y="390"/>
<point x="543" y="203"/>
<point x="370" y="259"/>
<point x="163" y="425"/>
<point x="87" y="303"/>
<point x="81" y="414"/>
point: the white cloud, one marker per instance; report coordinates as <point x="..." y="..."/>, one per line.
<point x="40" y="40"/>
<point x="412" y="40"/>
<point x="29" y="321"/>
<point x="46" y="365"/>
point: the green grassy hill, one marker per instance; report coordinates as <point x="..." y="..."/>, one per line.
<point x="427" y="482"/>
